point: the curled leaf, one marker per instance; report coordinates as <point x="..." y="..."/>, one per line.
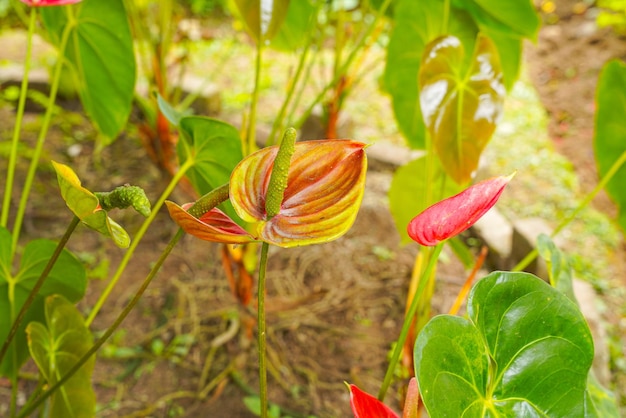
<point x="455" y="214"/>
<point x="324" y="190"/>
<point x="85" y="205"/>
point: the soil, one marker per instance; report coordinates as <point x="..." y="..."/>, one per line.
<point x="333" y="309"/>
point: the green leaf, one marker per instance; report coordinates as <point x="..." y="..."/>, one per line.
<point x="513" y="17"/>
<point x="215" y="149"/>
<point x="599" y="401"/>
<point x="525" y="350"/>
<point x="408" y="191"/>
<point x="293" y="33"/>
<point x="67" y="277"/>
<point x="559" y="269"/>
<point x="461" y="105"/>
<point x="85" y="205"/>
<point x="416" y="24"/>
<point x="55" y="348"/>
<point x="263" y="18"/>
<point x="100" y="52"/>
<point x="610" y="131"/>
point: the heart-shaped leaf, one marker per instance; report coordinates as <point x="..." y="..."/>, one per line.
<point x="263" y="18"/>
<point x="460" y="107"/>
<point x="610" y="131"/>
<point x="416" y="23"/>
<point x="55" y="348"/>
<point x="215" y="149"/>
<point x="525" y="350"/>
<point x="84" y="204"/>
<point x="67" y="278"/>
<point x="100" y="52"/>
<point x="324" y="191"/>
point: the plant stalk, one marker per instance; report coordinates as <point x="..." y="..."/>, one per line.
<point x="251" y="135"/>
<point x="35" y="290"/>
<point x="262" y="331"/>
<point x="8" y="190"/>
<point x="408" y="319"/>
<point x="133" y="245"/>
<point x="585" y="202"/>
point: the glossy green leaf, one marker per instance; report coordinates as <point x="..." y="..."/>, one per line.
<point x="599" y="401"/>
<point x="610" y="131"/>
<point x="408" y="191"/>
<point x="215" y="149"/>
<point x="416" y="24"/>
<point x="84" y="204"/>
<point x="293" y="33"/>
<point x="263" y="18"/>
<point x="100" y="52"/>
<point x="525" y="350"/>
<point x="324" y="190"/>
<point x="460" y="106"/>
<point x="55" y="348"/>
<point x="512" y="17"/>
<point x="67" y="277"/>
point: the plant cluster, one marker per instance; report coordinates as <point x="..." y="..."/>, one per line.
<point x="522" y="349"/>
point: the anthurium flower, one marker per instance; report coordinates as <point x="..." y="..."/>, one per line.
<point x="454" y="215"/>
<point x="39" y="3"/>
<point x="365" y="405"/>
<point x="325" y="185"/>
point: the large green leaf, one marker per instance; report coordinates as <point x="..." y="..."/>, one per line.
<point x="610" y="131"/>
<point x="416" y="24"/>
<point x="55" y="348"/>
<point x="263" y="18"/>
<point x="407" y="194"/>
<point x="513" y="17"/>
<point x="460" y="104"/>
<point x="67" y="277"/>
<point x="100" y="52"/>
<point x="525" y="350"/>
<point x="215" y="149"/>
<point x="293" y="33"/>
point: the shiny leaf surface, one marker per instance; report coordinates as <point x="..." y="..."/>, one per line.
<point x="460" y="107"/>
<point x="84" y="204"/>
<point x="56" y="347"/>
<point x="67" y="278"/>
<point x="610" y="131"/>
<point x="263" y="18"/>
<point x="324" y="191"/>
<point x="455" y="214"/>
<point x="525" y="350"/>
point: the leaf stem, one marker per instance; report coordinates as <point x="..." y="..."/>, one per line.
<point x="251" y="136"/>
<point x="133" y="245"/>
<point x="8" y="190"/>
<point x="408" y="319"/>
<point x="35" y="290"/>
<point x="41" y="139"/>
<point x="585" y="202"/>
<point x="157" y="266"/>
<point x="261" y="337"/>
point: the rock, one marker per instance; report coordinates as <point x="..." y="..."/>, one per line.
<point x="525" y="233"/>
<point x="497" y="233"/>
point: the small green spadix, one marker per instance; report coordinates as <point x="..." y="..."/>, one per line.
<point x="280" y="174"/>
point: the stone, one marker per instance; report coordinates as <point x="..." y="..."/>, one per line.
<point x="497" y="233"/>
<point x="525" y="233"/>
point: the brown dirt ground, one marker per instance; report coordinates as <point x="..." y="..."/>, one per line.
<point x="333" y="309"/>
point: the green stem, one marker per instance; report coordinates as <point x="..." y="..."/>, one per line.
<point x="35" y="290"/>
<point x="133" y="245"/>
<point x="41" y="139"/>
<point x="346" y="65"/>
<point x="586" y="201"/>
<point x="446" y="16"/>
<point x="408" y="320"/>
<point x="261" y="330"/>
<point x="8" y="190"/>
<point x="251" y="137"/>
<point x="29" y="409"/>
